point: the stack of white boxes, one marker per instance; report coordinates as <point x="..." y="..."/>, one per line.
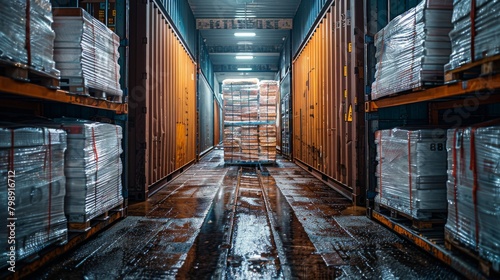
<point x="32" y="172"/>
<point x="13" y="31"/>
<point x="413" y="48"/>
<point x="474" y="189"/>
<point x="93" y="168"/>
<point x="86" y="52"/>
<point x="411" y="171"/>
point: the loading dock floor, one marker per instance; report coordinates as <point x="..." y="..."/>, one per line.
<point x="213" y="222"/>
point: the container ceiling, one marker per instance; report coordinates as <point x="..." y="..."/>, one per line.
<point x="268" y="19"/>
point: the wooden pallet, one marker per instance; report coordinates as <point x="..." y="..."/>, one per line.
<point x="483" y="265"/>
<point x="483" y="67"/>
<point x="95" y="93"/>
<point x="22" y="72"/>
<point x="84" y="224"/>
<point x="437" y="220"/>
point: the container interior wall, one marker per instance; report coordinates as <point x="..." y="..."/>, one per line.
<point x="328" y="122"/>
<point x="182" y="18"/>
<point x="217" y="123"/>
<point x="285" y="114"/>
<point x="162" y="100"/>
<point x="206" y="114"/>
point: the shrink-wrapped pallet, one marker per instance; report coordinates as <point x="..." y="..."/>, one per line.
<point x="13" y="31"/>
<point x="32" y="176"/>
<point x="42" y="37"/>
<point x="93" y="168"/>
<point x="37" y="49"/>
<point x="413" y="48"/>
<point x="412" y="171"/>
<point x="486" y="39"/>
<point x="474" y="189"/>
<point x="249" y="121"/>
<point x="86" y="52"/>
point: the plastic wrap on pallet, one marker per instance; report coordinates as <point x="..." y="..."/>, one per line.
<point x="474" y="189"/>
<point x="93" y="168"/>
<point x="487" y="38"/>
<point x="413" y="48"/>
<point x="13" y="31"/>
<point x="86" y="53"/>
<point x="42" y="37"/>
<point x="412" y="171"/>
<point x="32" y="172"/>
<point x="460" y="35"/>
<point x="249" y="120"/>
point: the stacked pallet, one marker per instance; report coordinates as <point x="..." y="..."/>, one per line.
<point x="413" y="48"/>
<point x="35" y="49"/>
<point x="32" y="190"/>
<point x="268" y="91"/>
<point x="412" y="171"/>
<point x="86" y="53"/>
<point x="249" y="121"/>
<point x="93" y="168"/>
<point x="486" y="38"/>
<point x="474" y="190"/>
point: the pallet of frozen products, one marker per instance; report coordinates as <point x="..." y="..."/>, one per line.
<point x="413" y="49"/>
<point x="32" y="190"/>
<point x="86" y="53"/>
<point x="474" y="189"/>
<point x="93" y="168"/>
<point x="411" y="171"/>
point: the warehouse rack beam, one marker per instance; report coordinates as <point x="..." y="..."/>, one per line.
<point x="438" y="251"/>
<point x="476" y="85"/>
<point x="8" y="85"/>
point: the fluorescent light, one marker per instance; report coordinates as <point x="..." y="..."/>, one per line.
<point x="244" y="69"/>
<point x="244" y="34"/>
<point x="245" y="16"/>
<point x="244" y="43"/>
<point x="244" y="57"/>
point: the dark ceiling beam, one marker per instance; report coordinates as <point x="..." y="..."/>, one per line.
<point x="244" y="23"/>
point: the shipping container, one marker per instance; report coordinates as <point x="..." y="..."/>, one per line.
<point x="162" y="101"/>
<point x="328" y="129"/>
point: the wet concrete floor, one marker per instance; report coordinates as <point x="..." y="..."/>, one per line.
<point x="223" y="222"/>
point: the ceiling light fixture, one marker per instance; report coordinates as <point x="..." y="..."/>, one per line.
<point x="244" y="43"/>
<point x="244" y="34"/>
<point x="244" y="57"/>
<point x="244" y="69"/>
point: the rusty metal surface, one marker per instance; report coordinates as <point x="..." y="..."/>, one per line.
<point x="162" y="97"/>
<point x="215" y="222"/>
<point x="328" y="126"/>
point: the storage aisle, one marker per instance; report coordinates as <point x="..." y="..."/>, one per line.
<point x="212" y="221"/>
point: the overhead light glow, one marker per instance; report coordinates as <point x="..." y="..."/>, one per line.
<point x="244" y="57"/>
<point x="244" y="34"/>
<point x="244" y="43"/>
<point x="245" y="16"/>
<point x="244" y="69"/>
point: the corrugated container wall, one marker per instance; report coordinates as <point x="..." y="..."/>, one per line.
<point x="162" y="100"/>
<point x="205" y="115"/>
<point x="182" y="19"/>
<point x="328" y="122"/>
<point x="307" y="15"/>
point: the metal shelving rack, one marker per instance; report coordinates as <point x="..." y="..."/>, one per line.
<point x="484" y="89"/>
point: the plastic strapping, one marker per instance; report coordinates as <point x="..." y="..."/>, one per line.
<point x="50" y="184"/>
<point x="96" y="158"/>
<point x="475" y="186"/>
<point x="409" y="172"/>
<point x="454" y="176"/>
<point x="380" y="163"/>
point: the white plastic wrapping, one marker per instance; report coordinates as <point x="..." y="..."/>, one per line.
<point x="249" y="120"/>
<point x="474" y="189"/>
<point x="93" y="168"/>
<point x="86" y="53"/>
<point x="487" y="34"/>
<point x="411" y="171"/>
<point x="36" y="155"/>
<point x="413" y="48"/>
<point x="42" y="37"/>
<point x="13" y="31"/>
